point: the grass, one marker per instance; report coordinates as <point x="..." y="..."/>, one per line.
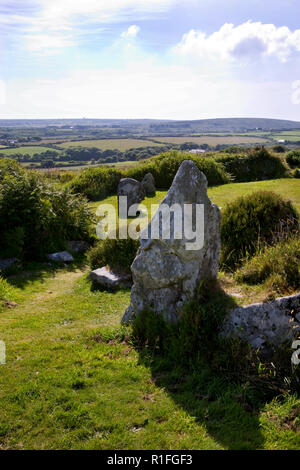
<point x="111" y="144"/>
<point x="72" y="380"/>
<point x="286" y="187"/>
<point x="213" y="140"/>
<point x="30" y="150"/>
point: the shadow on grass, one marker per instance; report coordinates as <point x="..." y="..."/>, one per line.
<point x="201" y="380"/>
<point x="221" y="408"/>
<point x="40" y="271"/>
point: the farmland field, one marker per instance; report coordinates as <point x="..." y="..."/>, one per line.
<point x="30" y="150"/>
<point x="214" y="140"/>
<point x="111" y="144"/>
<point x="292" y="136"/>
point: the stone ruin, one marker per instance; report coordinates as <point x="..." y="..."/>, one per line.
<point x="165" y="273"/>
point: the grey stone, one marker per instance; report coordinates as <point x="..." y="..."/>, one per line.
<point x="148" y="183"/>
<point x="108" y="279"/>
<point x="62" y="256"/>
<point x="165" y="273"/>
<point x="133" y="189"/>
<point x="261" y="324"/>
<point x="77" y="246"/>
<point x="8" y="263"/>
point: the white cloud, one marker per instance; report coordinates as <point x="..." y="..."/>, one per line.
<point x="48" y="44"/>
<point x="238" y="42"/>
<point x="131" y="32"/>
<point x="2" y="92"/>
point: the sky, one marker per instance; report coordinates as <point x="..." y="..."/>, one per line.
<point x="158" y="59"/>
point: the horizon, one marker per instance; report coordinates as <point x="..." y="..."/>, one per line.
<point x="145" y="119"/>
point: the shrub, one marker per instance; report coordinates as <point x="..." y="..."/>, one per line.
<point x="96" y="183"/>
<point x="251" y="221"/>
<point x="278" y="264"/>
<point x="293" y="158"/>
<point x="256" y="165"/>
<point x="296" y="173"/>
<point x="164" y="168"/>
<point x="37" y="217"/>
<point x="116" y="253"/>
<point x="6" y="290"/>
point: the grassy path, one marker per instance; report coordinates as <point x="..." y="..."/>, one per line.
<point x="72" y="380"/>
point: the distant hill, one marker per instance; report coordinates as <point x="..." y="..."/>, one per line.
<point x="160" y="126"/>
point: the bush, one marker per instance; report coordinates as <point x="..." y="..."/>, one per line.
<point x="164" y="167"/>
<point x="296" y="173"/>
<point x="116" y="253"/>
<point x="293" y="158"/>
<point x="252" y="221"/>
<point x="279" y="265"/>
<point x="6" y="291"/>
<point x="37" y="217"/>
<point x="255" y="165"/>
<point x="96" y="183"/>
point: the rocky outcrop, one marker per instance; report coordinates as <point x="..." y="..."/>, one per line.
<point x="148" y="185"/>
<point x="134" y="192"/>
<point x="167" y="271"/>
<point x="265" y="325"/>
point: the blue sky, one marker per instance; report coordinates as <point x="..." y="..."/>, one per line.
<point x="171" y="59"/>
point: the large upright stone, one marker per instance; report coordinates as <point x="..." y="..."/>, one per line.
<point x="148" y="184"/>
<point x="132" y="189"/>
<point x="165" y="273"/>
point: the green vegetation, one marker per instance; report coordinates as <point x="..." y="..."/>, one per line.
<point x="6" y="290"/>
<point x="25" y="150"/>
<point x="278" y="266"/>
<point x="252" y="221"/>
<point x="98" y="183"/>
<point x="293" y="158"/>
<point x="164" y="167"/>
<point x="73" y="380"/>
<point x="117" y="253"/>
<point x="286" y="187"/>
<point x="76" y="379"/>
<point x="255" y="165"/>
<point x="215" y="140"/>
<point x="36" y="217"/>
<point x="111" y="144"/>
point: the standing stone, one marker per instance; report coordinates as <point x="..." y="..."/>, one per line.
<point x="165" y="273"/>
<point x="133" y="189"/>
<point x="148" y="184"/>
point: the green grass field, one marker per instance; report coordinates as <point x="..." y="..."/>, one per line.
<point x="292" y="136"/>
<point x="30" y="150"/>
<point x="111" y="144"/>
<point x="72" y="379"/>
<point x="214" y="140"/>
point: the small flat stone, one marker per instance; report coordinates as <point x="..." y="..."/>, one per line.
<point x="108" y="279"/>
<point x="62" y="256"/>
